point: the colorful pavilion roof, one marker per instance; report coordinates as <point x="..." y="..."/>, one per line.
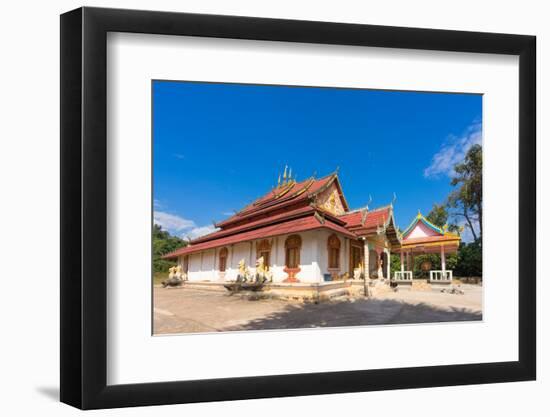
<point x="420" y="218"/>
<point x="428" y="235"/>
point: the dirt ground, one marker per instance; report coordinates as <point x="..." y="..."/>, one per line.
<point x="178" y="310"/>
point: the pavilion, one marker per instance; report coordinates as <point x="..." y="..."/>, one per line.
<point x="423" y="237"/>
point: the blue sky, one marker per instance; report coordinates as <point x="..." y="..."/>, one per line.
<point x="217" y="147"/>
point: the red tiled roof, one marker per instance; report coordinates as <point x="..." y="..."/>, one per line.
<point x="377" y="217"/>
<point x="292" y="226"/>
<point x="373" y="219"/>
<point x="352" y="219"/>
<point x="298" y="212"/>
<point x="282" y="196"/>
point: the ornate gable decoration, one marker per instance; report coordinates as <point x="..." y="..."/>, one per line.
<point x="330" y="201"/>
<point x="422" y="228"/>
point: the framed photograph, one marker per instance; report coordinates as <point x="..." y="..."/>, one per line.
<point x="258" y="208"/>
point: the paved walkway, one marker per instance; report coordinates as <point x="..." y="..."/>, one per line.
<point x="191" y="311"/>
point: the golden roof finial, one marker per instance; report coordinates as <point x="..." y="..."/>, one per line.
<point x="419" y="215"/>
<point x="284" y="175"/>
<point x="279" y="180"/>
<point x="290" y="174"/>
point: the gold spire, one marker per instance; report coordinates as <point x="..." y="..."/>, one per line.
<point x="290" y="174"/>
<point x="279" y="180"/>
<point x="284" y="175"/>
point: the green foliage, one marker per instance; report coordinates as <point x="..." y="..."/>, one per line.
<point x="163" y="243"/>
<point x="395" y="263"/>
<point x="466" y="201"/>
<point x="418" y="260"/>
<point x="469" y="262"/>
<point x="463" y="206"/>
<point x="438" y="215"/>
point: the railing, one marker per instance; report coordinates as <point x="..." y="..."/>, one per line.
<point x="441" y="276"/>
<point x="402" y="276"/>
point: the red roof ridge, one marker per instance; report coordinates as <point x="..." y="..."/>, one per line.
<point x="352" y="211"/>
<point x="296" y="213"/>
<point x="254" y="208"/>
<point x="387" y="206"/>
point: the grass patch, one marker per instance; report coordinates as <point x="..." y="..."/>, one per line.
<point x="158" y="277"/>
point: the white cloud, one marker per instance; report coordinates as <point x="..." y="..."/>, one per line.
<point x="199" y="231"/>
<point x="172" y="222"/>
<point x="453" y="151"/>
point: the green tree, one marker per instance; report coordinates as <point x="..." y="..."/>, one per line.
<point x="395" y="263"/>
<point x="469" y="262"/>
<point x="466" y="201"/>
<point x="438" y="215"/>
<point x="163" y="243"/>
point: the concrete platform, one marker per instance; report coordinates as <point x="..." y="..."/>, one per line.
<point x="314" y="292"/>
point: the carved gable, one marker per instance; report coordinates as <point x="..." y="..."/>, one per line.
<point x="330" y="200"/>
<point x="420" y="230"/>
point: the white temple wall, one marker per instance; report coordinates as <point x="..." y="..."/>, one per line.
<point x="240" y="251"/>
<point x="207" y="269"/>
<point x="278" y="259"/>
<point x="313" y="259"/>
<point x="194" y="268"/>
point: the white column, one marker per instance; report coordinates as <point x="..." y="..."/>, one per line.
<point x="214" y="275"/>
<point x="388" y="263"/>
<point x="201" y="273"/>
<point x="275" y="245"/>
<point x="442" y="258"/>
<point x="402" y="265"/>
<point x="366" y="258"/>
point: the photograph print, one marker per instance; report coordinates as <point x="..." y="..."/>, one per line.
<point x="297" y="207"/>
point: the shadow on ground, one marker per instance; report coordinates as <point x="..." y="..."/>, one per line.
<point x="356" y="313"/>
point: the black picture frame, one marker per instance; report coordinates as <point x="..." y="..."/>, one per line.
<point x="84" y="207"/>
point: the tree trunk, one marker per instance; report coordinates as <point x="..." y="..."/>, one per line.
<point x="470" y="225"/>
<point x="480" y="221"/>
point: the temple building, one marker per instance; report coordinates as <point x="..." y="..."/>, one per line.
<point x="306" y="233"/>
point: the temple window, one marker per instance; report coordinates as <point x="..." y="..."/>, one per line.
<point x="333" y="252"/>
<point x="223" y="260"/>
<point x="263" y="248"/>
<point x="293" y="244"/>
